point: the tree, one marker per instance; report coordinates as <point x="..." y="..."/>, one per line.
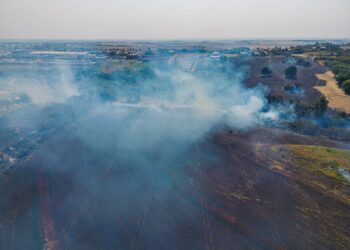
<point x="266" y="72"/>
<point x="346" y="86"/>
<point x="291" y="72"/>
<point x="305" y="127"/>
<point x="342" y="77"/>
<point x="316" y="109"/>
<point x="321" y="105"/>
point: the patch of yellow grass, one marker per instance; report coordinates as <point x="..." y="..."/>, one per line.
<point x="324" y="160"/>
<point x="334" y="94"/>
<point x="301" y="55"/>
<point x="313" y="54"/>
<point x="322" y="168"/>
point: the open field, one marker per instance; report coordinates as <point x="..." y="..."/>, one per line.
<point x="168" y="147"/>
<point x="254" y="193"/>
<point x="276" y="82"/>
<point x="335" y="95"/>
<point x="314" y="55"/>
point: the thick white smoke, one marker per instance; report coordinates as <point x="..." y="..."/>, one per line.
<point x="162" y="119"/>
<point x="105" y="153"/>
<point x="39" y="90"/>
<point x="163" y="113"/>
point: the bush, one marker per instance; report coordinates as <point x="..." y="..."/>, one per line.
<point x="289" y="87"/>
<point x="320" y="106"/>
<point x="303" y="63"/>
<point x="303" y="126"/>
<point x="340" y="65"/>
<point x="346" y="86"/>
<point x="316" y="109"/>
<point x="266" y="71"/>
<point x="342" y="78"/>
<point x="291" y="72"/>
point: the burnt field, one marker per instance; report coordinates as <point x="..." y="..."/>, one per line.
<point x="236" y="197"/>
<point x="306" y="77"/>
<point x="170" y="149"/>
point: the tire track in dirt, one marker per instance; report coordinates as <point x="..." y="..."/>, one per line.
<point x="48" y="227"/>
<point x="253" y="193"/>
<point x="142" y="220"/>
<point x="208" y="234"/>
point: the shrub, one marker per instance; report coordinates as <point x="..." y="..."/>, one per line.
<point x="306" y="127"/>
<point x="266" y="71"/>
<point x="317" y="109"/>
<point x="346" y="86"/>
<point x="342" y="78"/>
<point x="291" y="72"/>
<point x="320" y="106"/>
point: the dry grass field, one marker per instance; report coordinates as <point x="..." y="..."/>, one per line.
<point x="314" y="54"/>
<point x="335" y="95"/>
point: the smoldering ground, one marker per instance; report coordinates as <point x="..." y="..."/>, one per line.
<point x="108" y="150"/>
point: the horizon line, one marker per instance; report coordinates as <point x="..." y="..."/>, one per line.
<point x="176" y="39"/>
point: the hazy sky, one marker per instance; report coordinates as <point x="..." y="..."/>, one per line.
<point x="174" y="19"/>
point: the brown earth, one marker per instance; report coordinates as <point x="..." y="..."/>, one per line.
<point x="233" y="192"/>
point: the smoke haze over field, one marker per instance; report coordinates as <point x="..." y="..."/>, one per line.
<point x="170" y="19"/>
<point x="151" y="145"/>
<point x="170" y="102"/>
<point x="41" y="89"/>
<point x="162" y="109"/>
<point x="131" y="134"/>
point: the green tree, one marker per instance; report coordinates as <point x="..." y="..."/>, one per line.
<point x="346" y="86"/>
<point x="291" y="72"/>
<point x="341" y="78"/>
